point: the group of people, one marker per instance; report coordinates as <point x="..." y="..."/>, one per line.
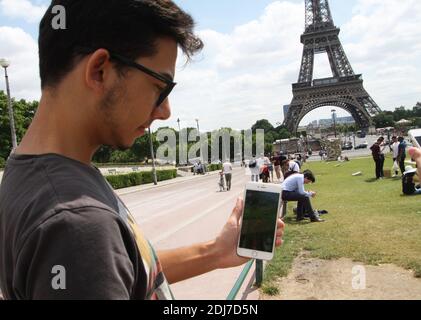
<point x="199" y="168"/>
<point x="288" y="172"/>
<point x="266" y="167"/>
<point x="398" y="148"/>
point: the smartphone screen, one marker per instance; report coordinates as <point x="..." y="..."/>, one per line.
<point x="259" y="220"/>
<point x="418" y="140"/>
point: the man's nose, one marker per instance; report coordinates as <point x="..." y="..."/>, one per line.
<point x="163" y="112"/>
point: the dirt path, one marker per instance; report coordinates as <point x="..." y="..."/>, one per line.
<point x="315" y="279"/>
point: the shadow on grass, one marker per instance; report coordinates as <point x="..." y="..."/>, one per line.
<point x="293" y="221"/>
<point x="371" y="180"/>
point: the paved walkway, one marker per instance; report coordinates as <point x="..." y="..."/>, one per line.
<point x="186" y="211"/>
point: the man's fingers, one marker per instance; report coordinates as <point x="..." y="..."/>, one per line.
<point x="280" y="229"/>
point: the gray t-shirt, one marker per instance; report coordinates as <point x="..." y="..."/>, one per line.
<point x="65" y="234"/>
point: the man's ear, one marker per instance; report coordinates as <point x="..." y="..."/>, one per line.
<point x="98" y="70"/>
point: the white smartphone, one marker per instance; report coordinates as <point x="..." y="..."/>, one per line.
<point x="415" y="137"/>
<point x="261" y="211"/>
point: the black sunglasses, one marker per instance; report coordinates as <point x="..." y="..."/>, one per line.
<point x="170" y="84"/>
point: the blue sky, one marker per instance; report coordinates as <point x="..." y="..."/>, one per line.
<point x="224" y="16"/>
<point x="252" y="56"/>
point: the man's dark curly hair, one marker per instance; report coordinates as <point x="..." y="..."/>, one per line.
<point x="126" y="27"/>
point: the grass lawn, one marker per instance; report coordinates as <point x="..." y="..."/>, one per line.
<point x="369" y="221"/>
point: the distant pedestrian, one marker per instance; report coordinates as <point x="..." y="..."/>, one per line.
<point x="254" y="170"/>
<point x="395" y="150"/>
<point x="221" y="183"/>
<point x="378" y="157"/>
<point x="321" y="153"/>
<point x="270" y="168"/>
<point x="294" y="166"/>
<point x="227" y="170"/>
<point x="277" y="160"/>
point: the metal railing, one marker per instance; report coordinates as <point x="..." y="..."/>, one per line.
<point x="240" y="281"/>
<point x="259" y="267"/>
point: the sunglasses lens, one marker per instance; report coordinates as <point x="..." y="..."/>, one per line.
<point x="164" y="95"/>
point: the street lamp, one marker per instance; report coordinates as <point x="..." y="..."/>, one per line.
<point x="334" y="120"/>
<point x="197" y="121"/>
<point x="155" y="180"/>
<point x="178" y="121"/>
<point x="5" y="64"/>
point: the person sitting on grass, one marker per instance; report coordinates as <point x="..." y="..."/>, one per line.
<point x="293" y="190"/>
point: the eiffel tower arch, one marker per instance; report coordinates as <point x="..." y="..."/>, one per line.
<point x="343" y="90"/>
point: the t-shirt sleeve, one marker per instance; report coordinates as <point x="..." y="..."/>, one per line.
<point x="76" y="255"/>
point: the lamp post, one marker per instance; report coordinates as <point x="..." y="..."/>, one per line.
<point x="178" y="121"/>
<point x="155" y="180"/>
<point x="5" y="64"/>
<point x="334" y="120"/>
<point x="197" y="122"/>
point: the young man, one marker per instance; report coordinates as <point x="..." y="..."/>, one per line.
<point x="293" y="190"/>
<point x="395" y="150"/>
<point x="378" y="157"/>
<point x="104" y="79"/>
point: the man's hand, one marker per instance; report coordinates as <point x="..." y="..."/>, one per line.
<point x="415" y="154"/>
<point x="313" y="194"/>
<point x="226" y="243"/>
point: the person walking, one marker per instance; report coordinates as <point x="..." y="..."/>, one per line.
<point x="227" y="170"/>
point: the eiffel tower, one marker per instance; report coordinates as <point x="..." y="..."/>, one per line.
<point x="344" y="90"/>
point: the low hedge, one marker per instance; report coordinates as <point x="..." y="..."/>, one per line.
<point x="138" y="178"/>
<point x="214" y="167"/>
<point x="2" y="163"/>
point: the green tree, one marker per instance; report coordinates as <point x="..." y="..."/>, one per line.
<point x="383" y="120"/>
<point x="24" y="112"/>
<point x="416" y="111"/>
<point x="401" y="113"/>
<point x="417" y="122"/>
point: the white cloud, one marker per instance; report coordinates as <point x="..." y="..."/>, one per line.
<point x="382" y="41"/>
<point x="247" y="75"/>
<point x="22" y="51"/>
<point x="23" y="9"/>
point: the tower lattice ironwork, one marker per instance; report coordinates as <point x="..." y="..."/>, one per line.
<point x="344" y="89"/>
